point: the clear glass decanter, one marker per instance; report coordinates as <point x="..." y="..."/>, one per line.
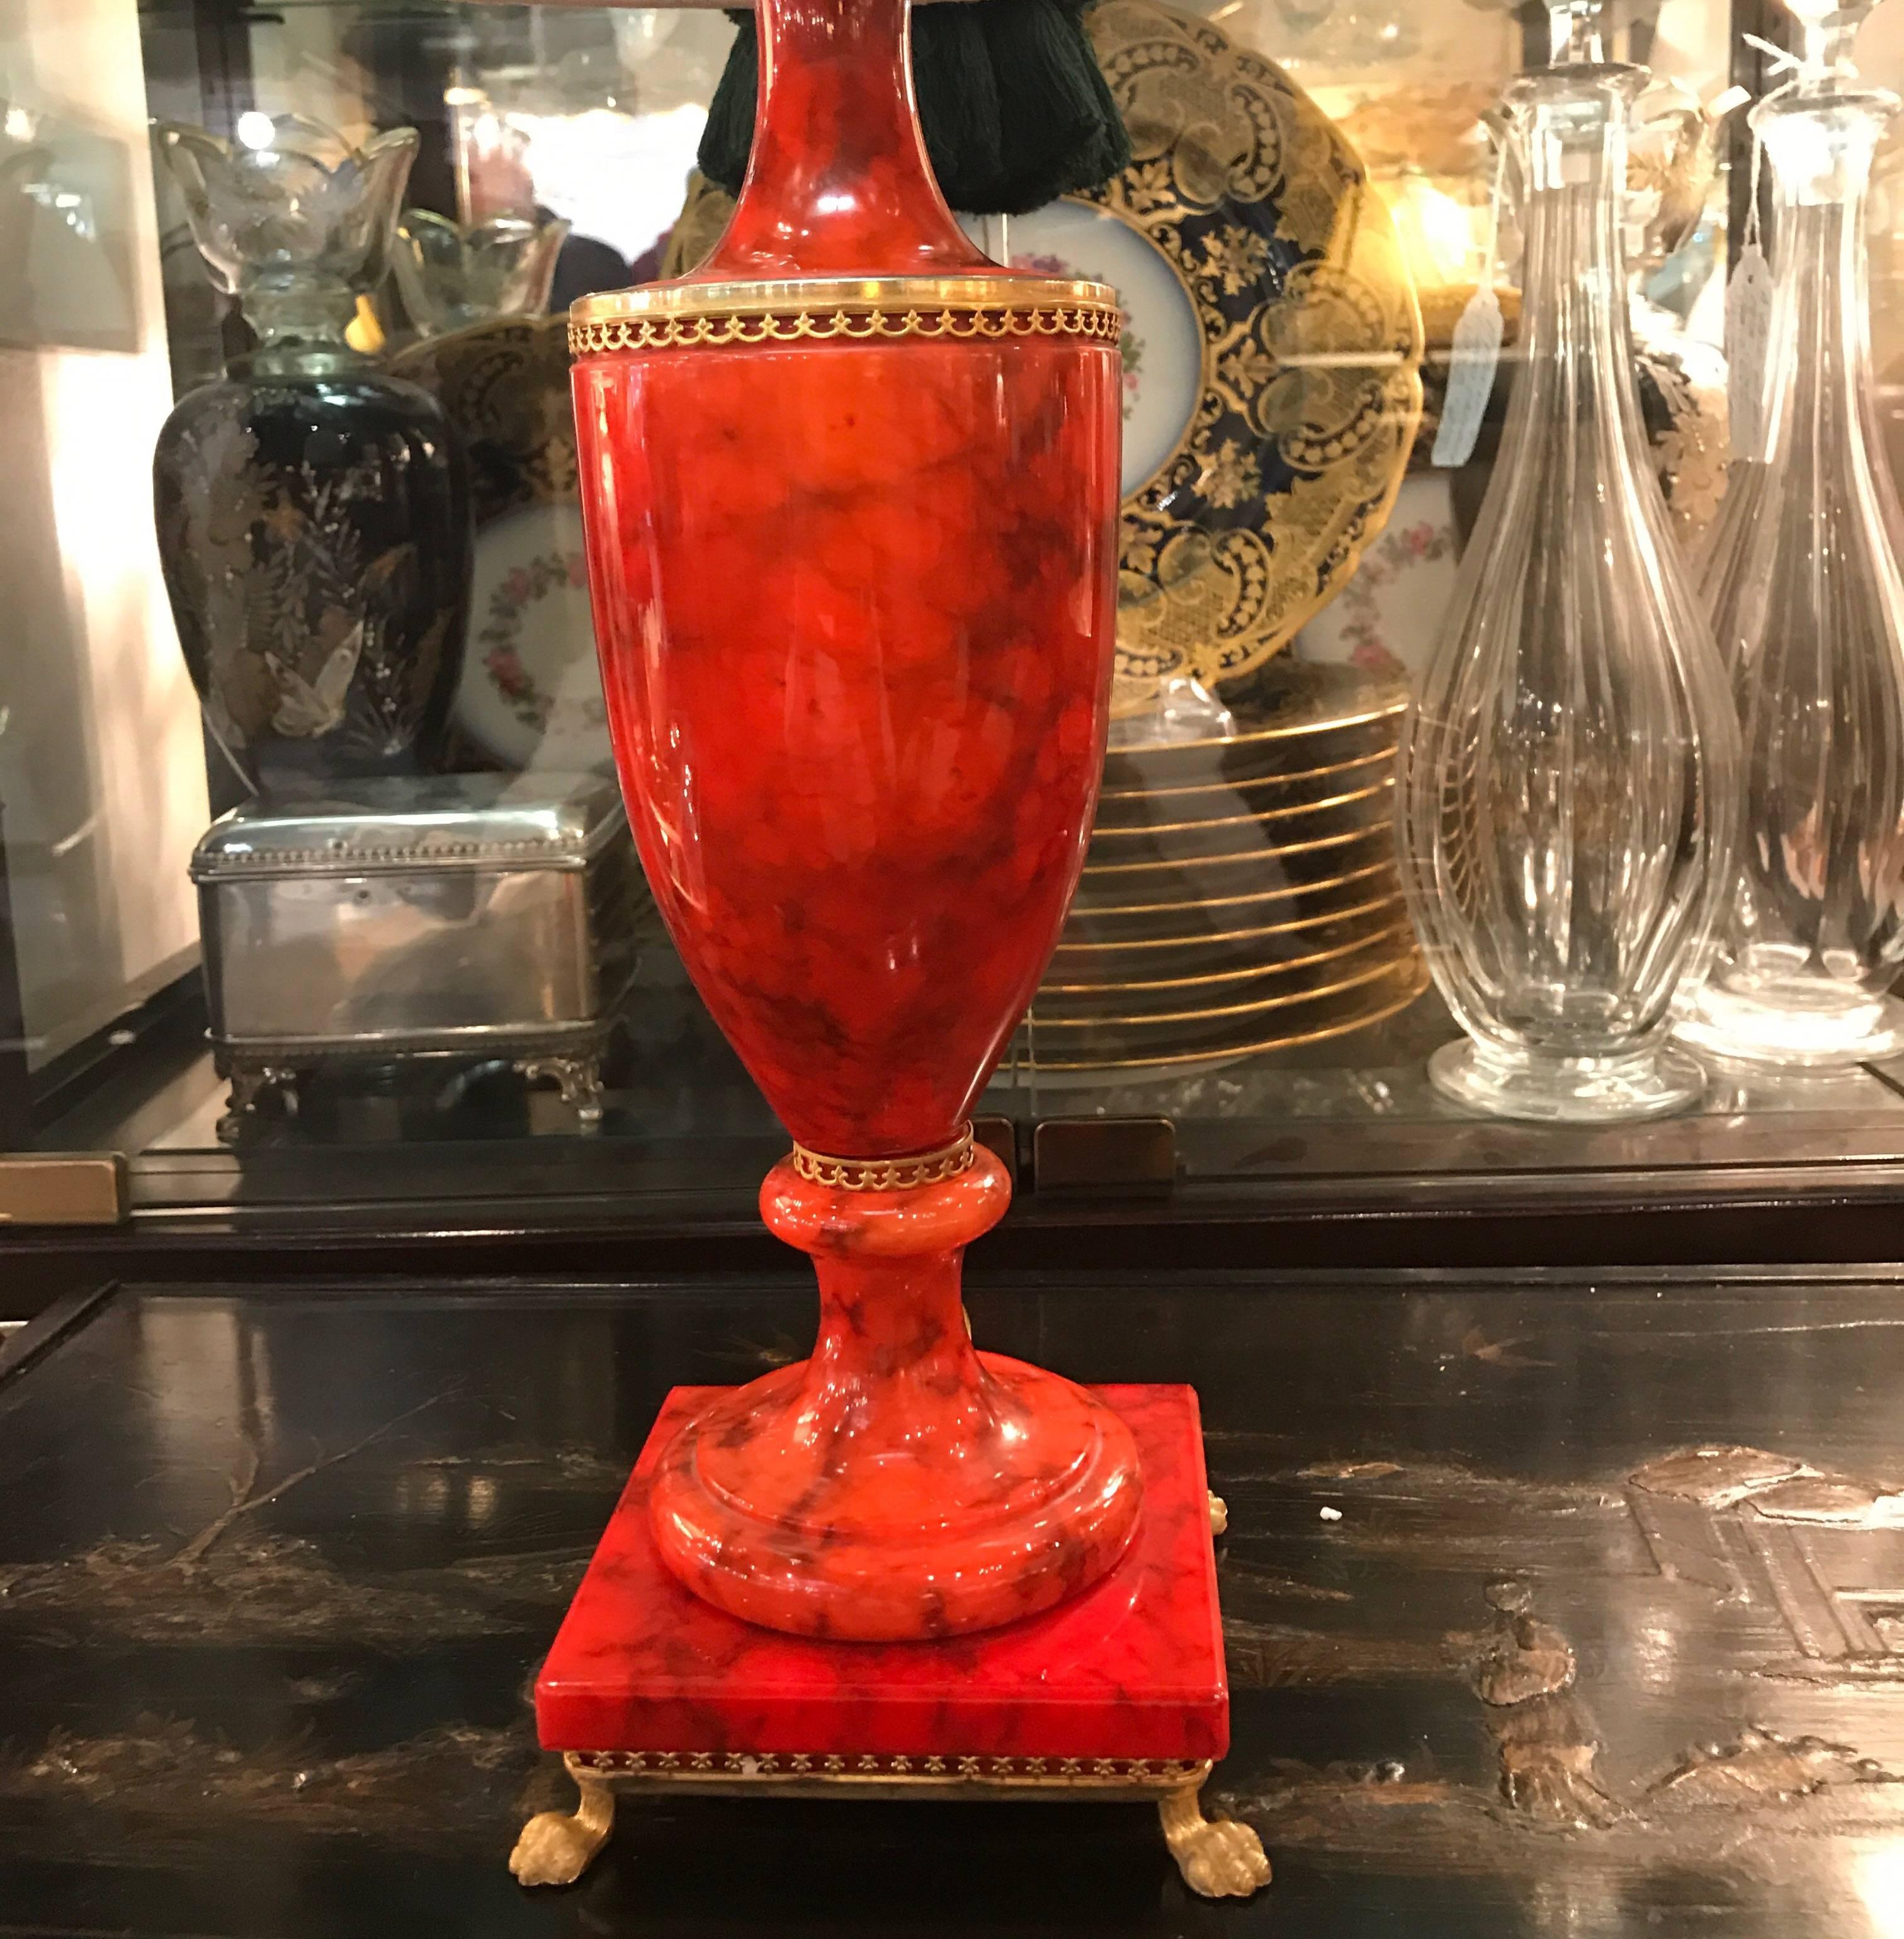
<point x="1569" y="775"/>
<point x="1802" y="582"/>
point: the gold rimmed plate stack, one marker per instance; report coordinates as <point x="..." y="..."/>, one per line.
<point x="1241" y="892"/>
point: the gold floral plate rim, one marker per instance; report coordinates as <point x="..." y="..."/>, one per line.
<point x="1265" y="213"/>
<point x="1210" y="979"/>
<point x="1390" y="708"/>
<point x="1245" y="786"/>
<point x="1177" y="1062"/>
<point x="1389" y="963"/>
<point x="1093" y="910"/>
<point x="479" y="373"/>
<point x="1119" y="832"/>
<point x="1098" y="871"/>
<point x="1213" y="939"/>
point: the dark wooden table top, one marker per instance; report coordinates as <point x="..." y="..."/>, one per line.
<point x="276" y="1570"/>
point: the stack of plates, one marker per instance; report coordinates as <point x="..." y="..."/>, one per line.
<point x="1240" y="895"/>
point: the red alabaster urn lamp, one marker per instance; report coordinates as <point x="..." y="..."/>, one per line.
<point x="852" y="498"/>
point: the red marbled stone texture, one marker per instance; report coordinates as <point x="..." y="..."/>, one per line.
<point x="1132" y="1668"/>
<point x="856" y="604"/>
<point x="897" y="1484"/>
<point x="838" y="183"/>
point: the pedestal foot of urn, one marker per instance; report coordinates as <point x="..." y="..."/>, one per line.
<point x="1219" y="1860"/>
<point x="556" y="1847"/>
<point x="898" y="1486"/>
<point x="249" y="1087"/>
<point x="578" y="1079"/>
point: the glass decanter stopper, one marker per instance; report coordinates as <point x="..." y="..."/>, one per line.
<point x="1802" y="582"/>
<point x="1569" y="775"/>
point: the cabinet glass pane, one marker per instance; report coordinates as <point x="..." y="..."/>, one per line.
<point x="426" y="927"/>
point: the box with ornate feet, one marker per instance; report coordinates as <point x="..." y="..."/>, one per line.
<point x="462" y="918"/>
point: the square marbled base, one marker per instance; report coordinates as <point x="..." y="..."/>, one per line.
<point x="1133" y="1668"/>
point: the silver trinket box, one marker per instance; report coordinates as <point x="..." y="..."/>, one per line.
<point x="490" y="918"/>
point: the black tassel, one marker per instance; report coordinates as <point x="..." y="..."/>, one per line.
<point x="958" y="98"/>
<point x="728" y="138"/>
<point x="1067" y="134"/>
<point x="1015" y="108"/>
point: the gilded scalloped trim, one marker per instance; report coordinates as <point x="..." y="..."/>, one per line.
<point x="887" y="1174"/>
<point x="1092" y="324"/>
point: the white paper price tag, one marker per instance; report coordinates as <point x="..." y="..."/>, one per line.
<point x="1475" y="356"/>
<point x="1748" y="337"/>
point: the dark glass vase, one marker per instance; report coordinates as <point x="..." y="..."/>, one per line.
<point x="314" y="531"/>
<point x="313" y="513"/>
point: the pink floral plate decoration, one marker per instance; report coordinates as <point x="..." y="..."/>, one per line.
<point x="530" y="695"/>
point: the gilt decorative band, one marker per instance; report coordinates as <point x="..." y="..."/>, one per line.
<point x="668" y="316"/>
<point x="767" y="1764"/>
<point x="887" y="1174"/>
<point x="675" y="332"/>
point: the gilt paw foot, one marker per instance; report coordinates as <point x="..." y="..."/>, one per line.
<point x="557" y="1847"/>
<point x="1219" y="1860"/>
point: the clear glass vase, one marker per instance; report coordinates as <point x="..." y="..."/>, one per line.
<point x="1803" y="588"/>
<point x="1569" y="776"/>
<point x="453" y="275"/>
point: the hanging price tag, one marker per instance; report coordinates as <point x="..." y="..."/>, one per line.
<point x="1748" y="315"/>
<point x="1748" y="335"/>
<point x="1475" y="356"/>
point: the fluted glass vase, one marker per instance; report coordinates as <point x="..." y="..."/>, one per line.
<point x="1805" y="594"/>
<point x="1567" y="799"/>
<point x="453" y="275"/>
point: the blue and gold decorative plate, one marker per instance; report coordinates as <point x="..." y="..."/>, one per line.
<point x="1272" y="348"/>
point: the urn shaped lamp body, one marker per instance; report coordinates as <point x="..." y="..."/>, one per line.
<point x="852" y="494"/>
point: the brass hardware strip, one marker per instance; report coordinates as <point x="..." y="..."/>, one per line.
<point x="674" y="333"/>
<point x="839" y="1767"/>
<point x="822" y="296"/>
<point x="76" y="1188"/>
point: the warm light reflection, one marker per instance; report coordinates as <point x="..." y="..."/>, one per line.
<point x="615" y="176"/>
<point x="1877" y="1878"/>
<point x="255" y="130"/>
<point x="1438" y="234"/>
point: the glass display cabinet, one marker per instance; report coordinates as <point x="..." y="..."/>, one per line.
<point x="1236" y="1024"/>
<point x="1508" y="678"/>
